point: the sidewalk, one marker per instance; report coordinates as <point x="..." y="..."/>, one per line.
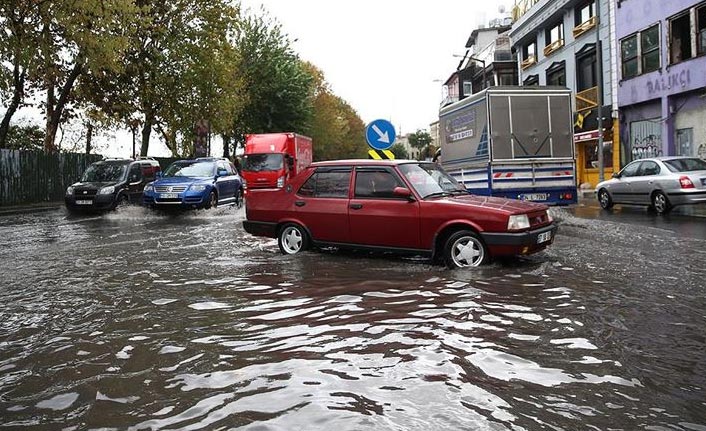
<point x="29" y="208"/>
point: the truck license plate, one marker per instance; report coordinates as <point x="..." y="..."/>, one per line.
<point x="535" y="197"/>
<point x="83" y="202"/>
<point x="168" y="195"/>
<point x="544" y="237"/>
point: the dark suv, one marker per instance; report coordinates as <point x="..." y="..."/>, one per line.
<point x="111" y="182"/>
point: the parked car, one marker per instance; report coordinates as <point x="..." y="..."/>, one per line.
<point x="660" y="183"/>
<point x="201" y="183"/>
<point x="111" y="182"/>
<point x="402" y="206"/>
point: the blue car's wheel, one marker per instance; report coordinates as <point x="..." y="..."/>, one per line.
<point x="212" y="200"/>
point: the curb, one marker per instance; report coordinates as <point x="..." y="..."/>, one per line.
<point x="25" y="209"/>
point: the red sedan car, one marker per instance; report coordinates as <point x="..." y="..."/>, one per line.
<point x="403" y="206"/>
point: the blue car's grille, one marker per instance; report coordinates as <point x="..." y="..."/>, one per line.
<point x="169" y="189"/>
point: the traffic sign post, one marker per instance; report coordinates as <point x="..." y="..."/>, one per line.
<point x="380" y="135"/>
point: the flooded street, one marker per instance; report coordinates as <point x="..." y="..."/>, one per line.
<point x="135" y="320"/>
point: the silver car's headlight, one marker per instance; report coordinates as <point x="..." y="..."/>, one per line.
<point x="518" y="222"/>
<point x="70" y="190"/>
<point x="198" y="188"/>
<point x="107" y="190"/>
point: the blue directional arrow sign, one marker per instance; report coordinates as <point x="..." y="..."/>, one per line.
<point x="380" y="134"/>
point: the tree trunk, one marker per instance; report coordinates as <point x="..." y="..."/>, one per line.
<point x="89" y="136"/>
<point x="226" y="146"/>
<point x="54" y="118"/>
<point x="18" y="79"/>
<point x="146" y="130"/>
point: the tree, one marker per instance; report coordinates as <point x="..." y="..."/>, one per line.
<point x="279" y="89"/>
<point x="336" y="129"/>
<point x="178" y="71"/>
<point x="421" y="140"/>
<point x="25" y="137"/>
<point x="18" y="59"/>
<point x="399" y="151"/>
<point x="76" y="37"/>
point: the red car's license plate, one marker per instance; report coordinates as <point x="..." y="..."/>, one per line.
<point x="544" y="237"/>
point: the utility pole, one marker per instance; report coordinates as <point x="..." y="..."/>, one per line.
<point x="599" y="70"/>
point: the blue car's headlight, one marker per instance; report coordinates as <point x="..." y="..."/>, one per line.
<point x="149" y="188"/>
<point x="198" y="188"/>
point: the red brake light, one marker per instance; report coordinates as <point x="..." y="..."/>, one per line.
<point x="685" y="182"/>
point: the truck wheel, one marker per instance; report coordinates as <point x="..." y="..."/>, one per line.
<point x="660" y="203"/>
<point x="464" y="249"/>
<point x="604" y="199"/>
<point x="212" y="200"/>
<point x="292" y="239"/>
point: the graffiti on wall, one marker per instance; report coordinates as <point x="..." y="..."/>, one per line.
<point x="646" y="146"/>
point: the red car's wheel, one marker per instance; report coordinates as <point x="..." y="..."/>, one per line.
<point x="465" y="249"/>
<point x="292" y="239"/>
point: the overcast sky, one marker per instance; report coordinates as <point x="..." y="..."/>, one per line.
<point x="383" y="56"/>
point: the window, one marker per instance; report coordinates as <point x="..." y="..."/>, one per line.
<point x="327" y="184"/>
<point x="531" y="80"/>
<point x="555" y="34"/>
<point x="631" y="169"/>
<point x="680" y="38"/>
<point x="467" y="88"/>
<point x="556" y="74"/>
<point x="529" y="50"/>
<point x="586" y="73"/>
<point x="639" y="52"/>
<point x="701" y="29"/>
<point x="585" y="12"/>
<point x="648" y="168"/>
<point x="377" y="183"/>
<point x="135" y="174"/>
<point x="507" y="78"/>
<point x="628" y="54"/>
<point x="649" y="43"/>
<point x="591" y="155"/>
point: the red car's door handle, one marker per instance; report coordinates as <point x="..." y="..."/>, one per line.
<point x="299" y="203"/>
<point x="356" y="206"/>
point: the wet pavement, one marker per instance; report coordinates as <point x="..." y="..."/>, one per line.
<point x="134" y="320"/>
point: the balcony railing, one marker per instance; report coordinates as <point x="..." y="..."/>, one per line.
<point x="529" y="61"/>
<point x="587" y="99"/>
<point x="585" y="26"/>
<point x="549" y="49"/>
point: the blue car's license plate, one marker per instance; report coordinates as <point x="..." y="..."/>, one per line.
<point x="168" y="195"/>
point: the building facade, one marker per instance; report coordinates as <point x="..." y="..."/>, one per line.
<point x="567" y="43"/>
<point x="662" y="84"/>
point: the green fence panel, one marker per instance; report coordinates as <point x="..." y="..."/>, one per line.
<point x="28" y="177"/>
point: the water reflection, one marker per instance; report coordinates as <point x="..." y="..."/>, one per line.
<point x="140" y="321"/>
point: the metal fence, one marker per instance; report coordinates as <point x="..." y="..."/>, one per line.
<point x="35" y="176"/>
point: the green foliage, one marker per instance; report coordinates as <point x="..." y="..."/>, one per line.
<point x="399" y="151"/>
<point x="279" y="89"/>
<point x="336" y="129"/>
<point x="420" y="139"/>
<point x="25" y="137"/>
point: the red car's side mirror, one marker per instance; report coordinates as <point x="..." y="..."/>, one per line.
<point x="403" y="192"/>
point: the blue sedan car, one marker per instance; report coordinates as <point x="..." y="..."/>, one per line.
<point x="201" y="183"/>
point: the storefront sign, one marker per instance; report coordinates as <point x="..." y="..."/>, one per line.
<point x="664" y="83"/>
<point x="586" y="136"/>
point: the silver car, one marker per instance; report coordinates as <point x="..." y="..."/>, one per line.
<point x="661" y="183"/>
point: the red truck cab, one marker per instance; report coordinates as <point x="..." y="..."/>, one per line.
<point x="270" y="159"/>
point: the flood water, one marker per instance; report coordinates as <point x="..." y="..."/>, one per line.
<point x="136" y="321"/>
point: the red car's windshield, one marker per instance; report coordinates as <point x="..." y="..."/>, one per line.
<point x="429" y="179"/>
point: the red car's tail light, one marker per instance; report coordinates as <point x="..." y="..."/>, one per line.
<point x="685" y="182"/>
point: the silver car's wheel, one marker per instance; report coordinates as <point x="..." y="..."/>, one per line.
<point x="604" y="199"/>
<point x="660" y="203"/>
<point x="292" y="239"/>
<point x="465" y="249"/>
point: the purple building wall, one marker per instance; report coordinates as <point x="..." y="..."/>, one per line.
<point x="656" y="97"/>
